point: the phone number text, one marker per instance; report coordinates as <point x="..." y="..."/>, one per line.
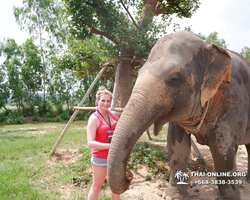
<point x="218" y="182"/>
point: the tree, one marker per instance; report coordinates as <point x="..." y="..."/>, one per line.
<point x="212" y="38"/>
<point x="4" y="90"/>
<point x="63" y="84"/>
<point x="23" y="70"/>
<point x="11" y="66"/>
<point x="31" y="72"/>
<point x="131" y="36"/>
<point x="44" y="22"/>
<point x="245" y="51"/>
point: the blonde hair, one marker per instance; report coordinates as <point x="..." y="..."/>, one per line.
<point x="102" y="91"/>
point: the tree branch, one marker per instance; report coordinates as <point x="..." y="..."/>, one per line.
<point x="105" y="34"/>
<point x="108" y="64"/>
<point x="148" y="11"/>
<point x="135" y="60"/>
<point x="129" y="14"/>
<point x="101" y="10"/>
<point x="159" y="10"/>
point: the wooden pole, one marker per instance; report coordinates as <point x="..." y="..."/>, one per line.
<point x="94" y="108"/>
<point x="113" y="103"/>
<point x="84" y="108"/>
<point x="76" y="111"/>
<point x="196" y="150"/>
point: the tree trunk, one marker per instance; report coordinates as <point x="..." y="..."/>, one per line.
<point x="124" y="82"/>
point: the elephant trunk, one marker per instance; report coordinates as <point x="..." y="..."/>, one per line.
<point x="135" y="119"/>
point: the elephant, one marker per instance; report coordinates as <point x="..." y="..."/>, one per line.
<point x="201" y="90"/>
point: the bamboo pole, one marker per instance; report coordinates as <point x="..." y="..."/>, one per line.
<point x="94" y="108"/>
<point x="76" y="111"/>
<point x="84" y="108"/>
<point x="113" y="103"/>
<point x="196" y="150"/>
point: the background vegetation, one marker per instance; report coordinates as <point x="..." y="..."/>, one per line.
<point x="47" y="75"/>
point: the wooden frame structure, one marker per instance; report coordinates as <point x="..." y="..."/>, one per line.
<point x="76" y="111"/>
<point x="79" y="108"/>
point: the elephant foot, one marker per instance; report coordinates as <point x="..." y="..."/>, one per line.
<point x="229" y="194"/>
<point x="174" y="193"/>
<point x="228" y="198"/>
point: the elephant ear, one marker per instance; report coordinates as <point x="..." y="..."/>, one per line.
<point x="218" y="70"/>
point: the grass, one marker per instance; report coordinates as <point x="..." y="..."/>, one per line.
<point x="24" y="169"/>
<point x="27" y="171"/>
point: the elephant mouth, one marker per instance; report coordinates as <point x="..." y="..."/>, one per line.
<point x="194" y="125"/>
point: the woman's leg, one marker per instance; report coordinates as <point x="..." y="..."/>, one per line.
<point x="115" y="196"/>
<point x="99" y="175"/>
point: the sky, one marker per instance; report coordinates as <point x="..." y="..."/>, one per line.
<point x="230" y="18"/>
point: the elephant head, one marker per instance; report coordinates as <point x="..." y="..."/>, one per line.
<point x="180" y="76"/>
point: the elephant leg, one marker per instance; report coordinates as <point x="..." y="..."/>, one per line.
<point x="223" y="148"/>
<point x="178" y="145"/>
<point x="248" y="165"/>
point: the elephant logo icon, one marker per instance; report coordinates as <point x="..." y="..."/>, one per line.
<point x="182" y="177"/>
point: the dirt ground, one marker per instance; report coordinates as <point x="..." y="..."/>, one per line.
<point x="140" y="189"/>
<point x="153" y="189"/>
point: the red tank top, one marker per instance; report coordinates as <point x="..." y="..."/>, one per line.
<point x="102" y="136"/>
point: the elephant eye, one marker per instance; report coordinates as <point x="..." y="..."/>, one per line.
<point x="175" y="80"/>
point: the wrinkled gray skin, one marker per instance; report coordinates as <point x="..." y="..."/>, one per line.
<point x="180" y="78"/>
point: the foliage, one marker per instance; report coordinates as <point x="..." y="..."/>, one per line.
<point x="63" y="85"/>
<point x="245" y="51"/>
<point x="58" y="119"/>
<point x="2" y="117"/>
<point x="147" y="154"/>
<point x="48" y="119"/>
<point x="22" y="66"/>
<point x="43" y="20"/>
<point x="14" y="117"/>
<point x="9" y="121"/>
<point x="148" y="178"/>
<point x="88" y="53"/>
<point x="111" y="21"/>
<point x="127" y="39"/>
<point x="11" y="66"/>
<point x="212" y="38"/>
<point x="35" y="118"/>
<point x="32" y="69"/>
<point x="4" y="90"/>
<point x="20" y="120"/>
<point x="69" y="79"/>
<point x="39" y="16"/>
<point x="64" y="116"/>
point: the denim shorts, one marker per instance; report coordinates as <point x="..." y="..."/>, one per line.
<point x="98" y="161"/>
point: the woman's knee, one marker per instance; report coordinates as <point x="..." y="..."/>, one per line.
<point x="96" y="187"/>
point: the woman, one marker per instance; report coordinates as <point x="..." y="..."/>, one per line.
<point x="101" y="124"/>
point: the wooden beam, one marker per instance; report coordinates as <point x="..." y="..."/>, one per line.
<point x="84" y="108"/>
<point x="94" y="108"/>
